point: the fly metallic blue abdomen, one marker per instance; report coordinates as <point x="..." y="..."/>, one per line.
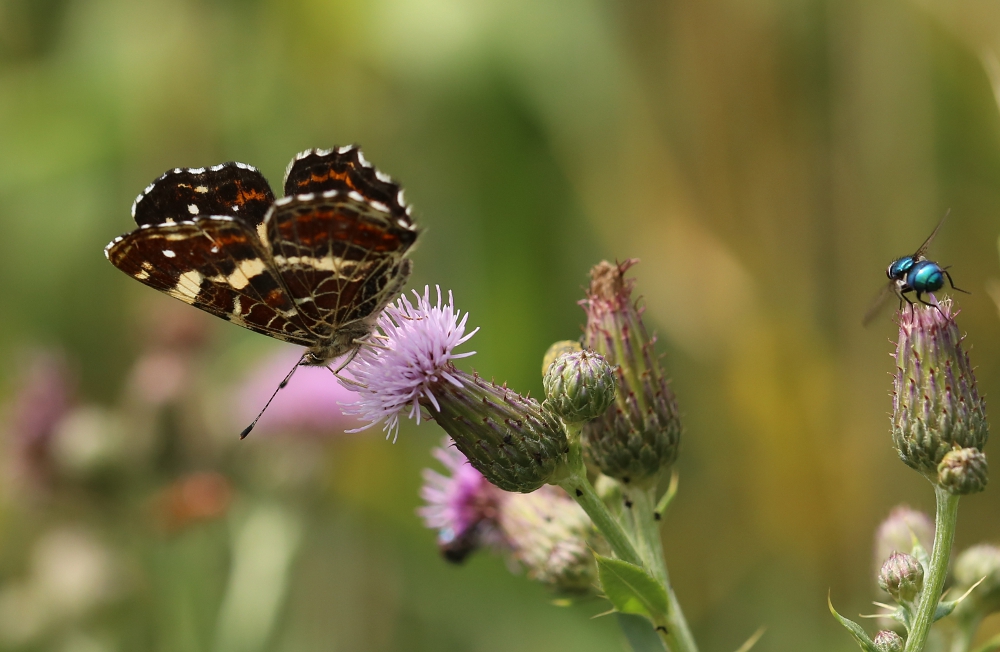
<point x="913" y="274"/>
<point x="925" y="276"/>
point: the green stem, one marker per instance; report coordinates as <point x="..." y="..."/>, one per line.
<point x="650" y="545"/>
<point x="574" y="481"/>
<point x="944" y="535"/>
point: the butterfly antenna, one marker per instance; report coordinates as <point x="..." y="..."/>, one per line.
<point x="281" y="385"/>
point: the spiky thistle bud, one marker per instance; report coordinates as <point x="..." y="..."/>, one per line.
<point x="515" y="443"/>
<point x="556" y="350"/>
<point x="638" y="437"/>
<point x="936" y="405"/>
<point x="552" y="537"/>
<point x="902" y="577"/>
<point x="579" y="386"/>
<point x="901" y="530"/>
<point x="507" y="437"/>
<point x="963" y="471"/>
<point x="888" y="641"/>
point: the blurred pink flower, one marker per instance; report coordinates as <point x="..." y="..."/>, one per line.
<point x="462" y="506"/>
<point x="309" y="404"/>
<point x="44" y="397"/>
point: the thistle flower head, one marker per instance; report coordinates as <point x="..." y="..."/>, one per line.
<point x="902" y="577"/>
<point x="936" y="405"/>
<point x="638" y="436"/>
<point x="410" y="356"/>
<point x="507" y="437"/>
<point x="462" y="506"/>
<point x="551" y="536"/>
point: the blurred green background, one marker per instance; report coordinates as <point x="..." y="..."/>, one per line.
<point x="765" y="160"/>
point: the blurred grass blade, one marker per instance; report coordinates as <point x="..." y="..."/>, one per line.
<point x="750" y="642"/>
<point x="264" y="546"/>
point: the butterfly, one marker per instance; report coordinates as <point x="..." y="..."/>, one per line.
<point x="314" y="268"/>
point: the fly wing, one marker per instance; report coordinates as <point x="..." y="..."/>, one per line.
<point x="927" y="242"/>
<point x="879" y="302"/>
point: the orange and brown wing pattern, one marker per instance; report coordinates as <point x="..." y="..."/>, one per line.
<point x="183" y="194"/>
<point x="216" y="264"/>
<point x="345" y="169"/>
<point x="340" y="257"/>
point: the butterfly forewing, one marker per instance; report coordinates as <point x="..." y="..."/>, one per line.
<point x="340" y="259"/>
<point x="216" y="264"/>
<point x="314" y="268"/>
<point x="345" y="169"/>
<point x="234" y="189"/>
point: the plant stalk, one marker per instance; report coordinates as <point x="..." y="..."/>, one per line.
<point x="944" y="535"/>
<point x="574" y="481"/>
<point x="650" y="544"/>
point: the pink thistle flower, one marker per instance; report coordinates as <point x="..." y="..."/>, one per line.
<point x="515" y="443"/>
<point x="463" y="506"/>
<point x="401" y="366"/>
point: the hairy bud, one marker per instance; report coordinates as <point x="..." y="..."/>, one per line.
<point x="638" y="436"/>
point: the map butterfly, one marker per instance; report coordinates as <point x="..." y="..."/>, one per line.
<point x="315" y="267"/>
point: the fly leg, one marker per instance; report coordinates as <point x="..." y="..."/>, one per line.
<point x="951" y="282"/>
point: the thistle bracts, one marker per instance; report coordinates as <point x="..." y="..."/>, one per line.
<point x="638" y="436"/>
<point x="902" y="577"/>
<point x="963" y="471"/>
<point x="579" y="386"/>
<point x="888" y="641"/>
<point x="556" y="350"/>
<point x="936" y="405"/>
<point x="509" y="438"/>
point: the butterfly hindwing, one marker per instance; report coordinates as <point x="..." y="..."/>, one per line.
<point x="340" y="258"/>
<point x="217" y="264"/>
<point x="314" y="268"/>
<point x="182" y="194"/>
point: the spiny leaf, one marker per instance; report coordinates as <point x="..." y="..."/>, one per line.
<point x="855" y="629"/>
<point x="631" y="589"/>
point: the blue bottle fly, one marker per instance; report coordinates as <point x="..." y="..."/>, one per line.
<point x="912" y="274"/>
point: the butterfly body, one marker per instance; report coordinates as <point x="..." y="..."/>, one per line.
<point x="313" y="268"/>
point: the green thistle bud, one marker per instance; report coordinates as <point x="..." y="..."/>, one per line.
<point x="551" y="536"/>
<point x="579" y="386"/>
<point x="963" y="471"/>
<point x="936" y="405"/>
<point x="557" y="349"/>
<point x="888" y="641"/>
<point x="902" y="577"/>
<point x="509" y="438"/>
<point x="974" y="564"/>
<point x="638" y="437"/>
